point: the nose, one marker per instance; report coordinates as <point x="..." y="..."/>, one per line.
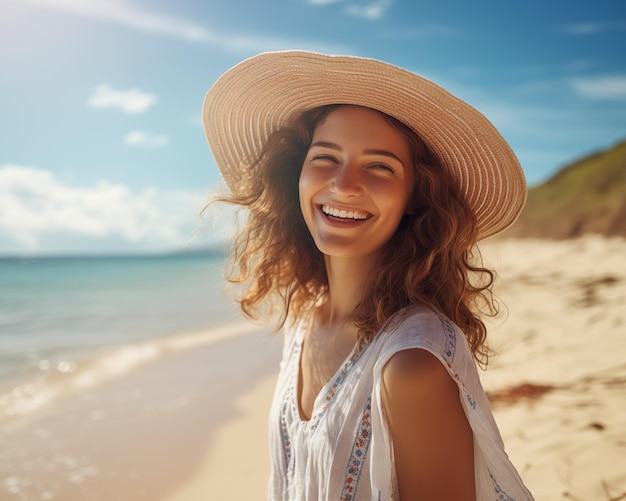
<point x="346" y="182"/>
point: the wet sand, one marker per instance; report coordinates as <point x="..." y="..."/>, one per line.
<point x="141" y="436"/>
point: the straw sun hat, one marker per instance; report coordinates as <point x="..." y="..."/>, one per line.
<point x="258" y="95"/>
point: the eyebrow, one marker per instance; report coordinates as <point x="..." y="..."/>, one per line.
<point x="335" y="146"/>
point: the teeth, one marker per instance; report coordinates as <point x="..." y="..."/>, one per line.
<point x="343" y="214"/>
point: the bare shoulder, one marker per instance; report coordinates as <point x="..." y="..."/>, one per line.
<point x="432" y="439"/>
<point x="416" y="374"/>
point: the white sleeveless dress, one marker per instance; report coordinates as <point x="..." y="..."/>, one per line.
<point x="344" y="452"/>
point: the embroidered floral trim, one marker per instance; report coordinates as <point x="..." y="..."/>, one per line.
<point x="359" y="453"/>
<point x="450" y="345"/>
<point x="469" y="398"/>
<point x="500" y="494"/>
<point x="284" y="432"/>
<point x="341" y="377"/>
<point x="448" y="354"/>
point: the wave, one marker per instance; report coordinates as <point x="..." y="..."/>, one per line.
<point x="70" y="377"/>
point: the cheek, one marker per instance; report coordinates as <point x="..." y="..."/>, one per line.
<point x="307" y="185"/>
<point x="307" y="176"/>
<point x="302" y="187"/>
<point x="302" y="181"/>
<point x="394" y="201"/>
<point x="304" y="193"/>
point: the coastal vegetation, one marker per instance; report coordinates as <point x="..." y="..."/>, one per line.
<point x="586" y="196"/>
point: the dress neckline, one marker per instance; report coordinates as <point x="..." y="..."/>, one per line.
<point x="330" y="388"/>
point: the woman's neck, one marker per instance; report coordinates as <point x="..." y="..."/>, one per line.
<point x="347" y="280"/>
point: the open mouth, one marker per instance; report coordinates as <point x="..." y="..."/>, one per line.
<point x="343" y="214"/>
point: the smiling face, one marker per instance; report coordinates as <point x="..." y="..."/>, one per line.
<point x="355" y="182"/>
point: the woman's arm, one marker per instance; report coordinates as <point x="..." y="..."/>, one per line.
<point x="432" y="440"/>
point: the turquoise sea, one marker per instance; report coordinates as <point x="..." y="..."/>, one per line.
<point x="79" y="320"/>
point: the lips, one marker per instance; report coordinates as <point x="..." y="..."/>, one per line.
<point x="345" y="214"/>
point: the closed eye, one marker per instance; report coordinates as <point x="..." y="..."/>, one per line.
<point x="383" y="167"/>
<point x="325" y="158"/>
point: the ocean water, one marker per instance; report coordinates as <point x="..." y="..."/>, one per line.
<point x="70" y="323"/>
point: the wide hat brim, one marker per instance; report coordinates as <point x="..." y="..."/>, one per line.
<point x="260" y="94"/>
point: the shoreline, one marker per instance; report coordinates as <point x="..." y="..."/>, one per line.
<point x="26" y="397"/>
<point x="140" y="436"/>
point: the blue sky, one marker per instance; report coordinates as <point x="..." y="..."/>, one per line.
<point x="101" y="145"/>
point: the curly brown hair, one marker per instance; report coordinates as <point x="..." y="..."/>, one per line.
<point x="431" y="259"/>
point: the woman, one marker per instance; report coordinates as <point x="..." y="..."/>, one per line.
<point x="366" y="189"/>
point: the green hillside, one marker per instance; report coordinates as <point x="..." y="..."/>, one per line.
<point x="587" y="196"/>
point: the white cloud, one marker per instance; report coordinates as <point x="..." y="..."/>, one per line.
<point x="366" y="9"/>
<point x="123" y="13"/>
<point x="128" y="101"/>
<point x="145" y="139"/>
<point x="36" y="207"/>
<point x="601" y="87"/>
<point x="591" y="28"/>
<point x="372" y="11"/>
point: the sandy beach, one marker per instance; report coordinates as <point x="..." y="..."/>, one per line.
<point x="558" y="387"/>
<point x="557" y="384"/>
<point x="191" y="425"/>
